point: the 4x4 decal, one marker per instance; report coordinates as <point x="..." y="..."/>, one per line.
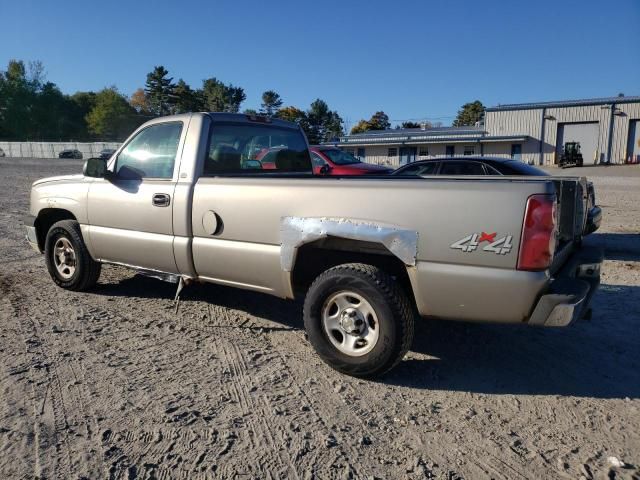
<point x="472" y="242"/>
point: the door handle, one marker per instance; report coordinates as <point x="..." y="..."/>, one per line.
<point x="161" y="200"/>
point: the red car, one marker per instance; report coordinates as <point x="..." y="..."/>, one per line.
<point x="327" y="160"/>
<point x="333" y="161"/>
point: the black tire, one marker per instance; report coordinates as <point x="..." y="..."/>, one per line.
<point x="87" y="270"/>
<point x="393" y="309"/>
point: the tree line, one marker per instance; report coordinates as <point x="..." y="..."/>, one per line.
<point x="469" y="115"/>
<point x="32" y="108"/>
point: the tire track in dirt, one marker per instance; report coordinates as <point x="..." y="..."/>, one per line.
<point x="121" y="466"/>
<point x="46" y="368"/>
<point x="317" y="443"/>
<point x="297" y="400"/>
<point x="311" y="435"/>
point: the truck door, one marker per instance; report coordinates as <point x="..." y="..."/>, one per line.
<point x="131" y="212"/>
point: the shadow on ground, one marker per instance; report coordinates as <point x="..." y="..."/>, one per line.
<point x="599" y="358"/>
<point x="618" y="246"/>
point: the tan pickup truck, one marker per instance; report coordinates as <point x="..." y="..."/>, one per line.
<point x="187" y="198"/>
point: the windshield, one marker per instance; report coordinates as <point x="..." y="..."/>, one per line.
<point x="340" y="157"/>
<point x="520" y="168"/>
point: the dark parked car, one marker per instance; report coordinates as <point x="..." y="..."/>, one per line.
<point x="70" y="153"/>
<point x="470" y="166"/>
<point x="493" y="166"/>
<point x="106" y="153"/>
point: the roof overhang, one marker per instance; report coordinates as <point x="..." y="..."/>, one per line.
<point x="564" y="103"/>
<point x="510" y="139"/>
<point x="431" y="141"/>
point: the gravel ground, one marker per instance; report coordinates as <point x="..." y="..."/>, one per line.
<point x="112" y="383"/>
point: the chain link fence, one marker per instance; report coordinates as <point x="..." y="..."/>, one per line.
<point x="52" y="149"/>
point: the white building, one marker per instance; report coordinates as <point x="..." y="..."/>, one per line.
<point x="608" y="130"/>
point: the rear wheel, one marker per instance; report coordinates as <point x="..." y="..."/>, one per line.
<point x="358" y="319"/>
<point x="68" y="260"/>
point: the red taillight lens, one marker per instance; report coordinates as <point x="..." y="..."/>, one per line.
<point x="538" y="241"/>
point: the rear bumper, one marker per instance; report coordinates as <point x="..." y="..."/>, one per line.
<point x="32" y="237"/>
<point x="594" y="217"/>
<point x="570" y="291"/>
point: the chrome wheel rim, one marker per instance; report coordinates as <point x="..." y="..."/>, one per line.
<point x="64" y="258"/>
<point x="351" y="323"/>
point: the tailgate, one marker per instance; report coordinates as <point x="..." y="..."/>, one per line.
<point x="572" y="215"/>
<point x="572" y="208"/>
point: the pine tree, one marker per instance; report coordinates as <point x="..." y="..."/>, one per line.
<point x="271" y="103"/>
<point x="160" y="91"/>
<point x="469" y="114"/>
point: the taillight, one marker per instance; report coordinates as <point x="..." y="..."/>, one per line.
<point x="538" y="241"/>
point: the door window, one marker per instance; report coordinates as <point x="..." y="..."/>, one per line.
<point x="462" y="168"/>
<point x="428" y="168"/>
<point x="151" y="153"/>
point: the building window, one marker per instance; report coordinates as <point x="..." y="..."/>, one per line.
<point x="361" y="154"/>
<point x="423" y="152"/>
<point x="516" y="151"/>
<point x="469" y="150"/>
<point x="450" y="150"/>
<point x="392" y="152"/>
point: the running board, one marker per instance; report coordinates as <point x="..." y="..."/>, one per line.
<point x="149" y="272"/>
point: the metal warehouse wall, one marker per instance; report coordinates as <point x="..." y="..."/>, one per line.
<point x="621" y="127"/>
<point x="378" y="154"/>
<point x="530" y="122"/>
<point x="500" y="150"/>
<point x="516" y="122"/>
<point x="52" y="149"/>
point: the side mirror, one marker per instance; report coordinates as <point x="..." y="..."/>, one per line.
<point x="95" y="167"/>
<point x="325" y="169"/>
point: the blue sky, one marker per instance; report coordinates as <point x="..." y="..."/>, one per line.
<point x="412" y="59"/>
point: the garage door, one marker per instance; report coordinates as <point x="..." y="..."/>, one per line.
<point x="633" y="148"/>
<point x="584" y="133"/>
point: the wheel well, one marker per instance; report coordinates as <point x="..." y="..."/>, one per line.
<point x="46" y="218"/>
<point x="314" y="258"/>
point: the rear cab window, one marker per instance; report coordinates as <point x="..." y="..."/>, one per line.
<point x="255" y="148"/>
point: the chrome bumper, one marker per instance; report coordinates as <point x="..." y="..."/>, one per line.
<point x="570" y="292"/>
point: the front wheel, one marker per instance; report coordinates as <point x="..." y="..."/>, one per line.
<point x="358" y="319"/>
<point x="68" y="260"/>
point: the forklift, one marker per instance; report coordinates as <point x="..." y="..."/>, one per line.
<point x="571" y="156"/>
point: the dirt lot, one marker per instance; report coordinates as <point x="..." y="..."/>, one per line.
<point x="114" y="384"/>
